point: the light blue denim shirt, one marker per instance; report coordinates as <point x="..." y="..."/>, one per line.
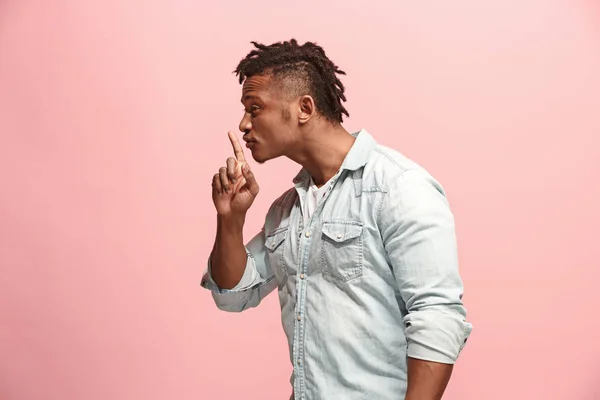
<point x="371" y="278"/>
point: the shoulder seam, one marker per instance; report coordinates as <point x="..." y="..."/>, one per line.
<point x="386" y="155"/>
<point x="392" y="182"/>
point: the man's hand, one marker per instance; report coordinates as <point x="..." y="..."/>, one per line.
<point x="234" y="186"/>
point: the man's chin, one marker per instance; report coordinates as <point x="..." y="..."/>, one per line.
<point x="260" y="159"/>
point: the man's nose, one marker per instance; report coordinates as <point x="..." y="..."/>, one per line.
<point x="245" y="124"/>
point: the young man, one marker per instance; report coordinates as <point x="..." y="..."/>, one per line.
<point x="361" y="250"/>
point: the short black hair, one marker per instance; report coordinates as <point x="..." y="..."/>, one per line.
<point x="313" y="72"/>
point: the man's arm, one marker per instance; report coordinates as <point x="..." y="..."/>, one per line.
<point x="417" y="228"/>
<point x="228" y="257"/>
<point x="238" y="276"/>
<point x="256" y="282"/>
<point x="427" y="380"/>
<point x="234" y="189"/>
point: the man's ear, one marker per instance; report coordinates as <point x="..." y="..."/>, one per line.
<point x="307" y="109"/>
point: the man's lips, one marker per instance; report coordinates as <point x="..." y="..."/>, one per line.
<point x="250" y="144"/>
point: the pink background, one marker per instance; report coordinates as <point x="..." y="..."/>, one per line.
<point x="113" y="118"/>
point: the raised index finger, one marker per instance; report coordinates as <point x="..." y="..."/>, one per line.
<point x="237" y="148"/>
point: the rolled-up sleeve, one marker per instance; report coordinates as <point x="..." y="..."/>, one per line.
<point x="256" y="283"/>
<point x="418" y="231"/>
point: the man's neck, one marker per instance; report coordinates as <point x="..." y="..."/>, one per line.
<point x="323" y="151"/>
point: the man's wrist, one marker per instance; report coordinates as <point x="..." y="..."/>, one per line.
<point x="231" y="221"/>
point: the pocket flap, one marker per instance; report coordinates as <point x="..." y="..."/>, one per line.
<point x="341" y="231"/>
<point x="275" y="238"/>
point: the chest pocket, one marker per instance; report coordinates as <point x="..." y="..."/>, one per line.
<point x="275" y="244"/>
<point x="342" y="250"/>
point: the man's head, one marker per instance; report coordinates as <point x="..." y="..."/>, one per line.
<point x="287" y="87"/>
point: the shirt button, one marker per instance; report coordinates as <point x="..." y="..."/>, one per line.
<point x="299" y="361"/>
<point x="299" y="318"/>
<point x="307" y="234"/>
<point x="301" y="276"/>
<point x="339" y="236"/>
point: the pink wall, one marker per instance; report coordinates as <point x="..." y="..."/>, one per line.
<point x="113" y="118"/>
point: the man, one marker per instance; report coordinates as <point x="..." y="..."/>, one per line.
<point x="361" y="250"/>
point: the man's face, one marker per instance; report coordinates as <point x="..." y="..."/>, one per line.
<point x="268" y="121"/>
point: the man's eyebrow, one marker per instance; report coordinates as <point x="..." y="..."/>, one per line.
<point x="249" y="97"/>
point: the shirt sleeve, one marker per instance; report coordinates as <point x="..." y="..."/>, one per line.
<point x="418" y="232"/>
<point x="256" y="283"/>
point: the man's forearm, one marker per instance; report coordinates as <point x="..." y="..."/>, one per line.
<point x="228" y="258"/>
<point x="427" y="380"/>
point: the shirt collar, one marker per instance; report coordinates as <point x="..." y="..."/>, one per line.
<point x="356" y="158"/>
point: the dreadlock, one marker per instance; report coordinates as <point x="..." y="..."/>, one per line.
<point x="307" y="65"/>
